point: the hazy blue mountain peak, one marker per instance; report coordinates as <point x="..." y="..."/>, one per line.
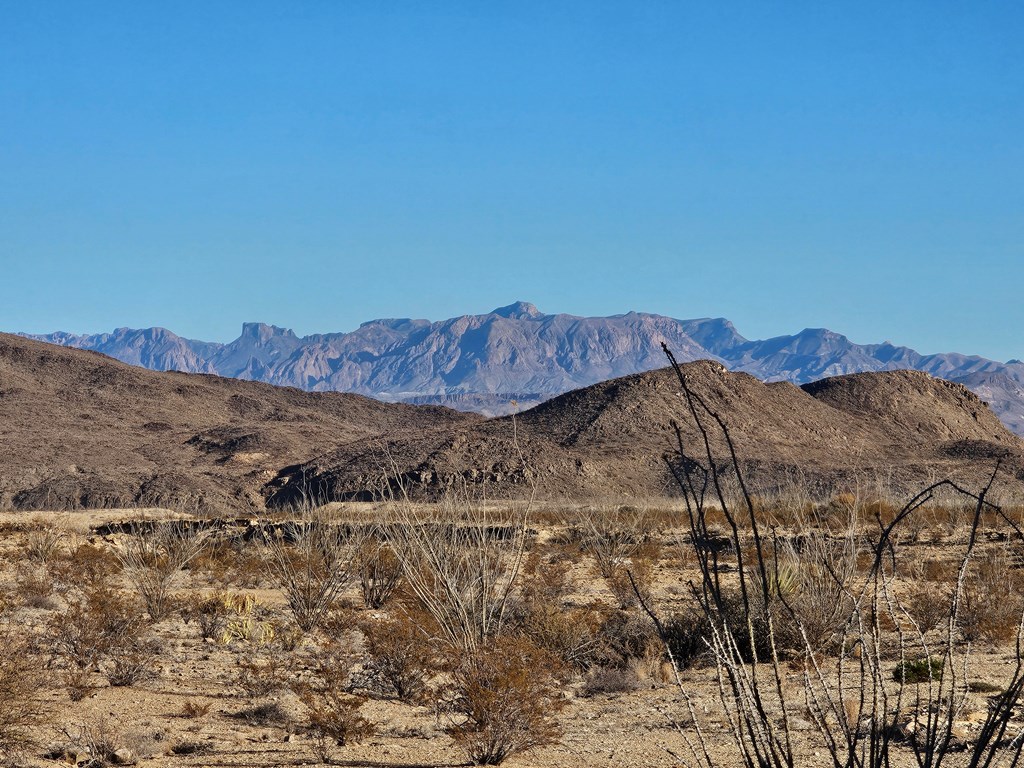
<point x="516" y="352"/>
<point x="520" y="310"/>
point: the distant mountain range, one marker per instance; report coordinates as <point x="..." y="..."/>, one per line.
<point x="516" y="356"/>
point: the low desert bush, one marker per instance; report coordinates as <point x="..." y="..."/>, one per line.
<point x="260" y="672"/>
<point x="131" y="662"/>
<point x="914" y="671"/>
<point x="86" y="567"/>
<point x="101" y="631"/>
<point x="267" y="713"/>
<point x="193" y="709"/>
<point x="687" y="637"/>
<point x="927" y="605"/>
<point x="210" y="612"/>
<point x="402" y="657"/>
<point x="991" y="603"/>
<point x="605" y="680"/>
<point x="504" y="697"/>
<point x="625" y="636"/>
<point x="631" y="583"/>
<point x="569" y="634"/>
<point x="546" y="577"/>
<point x="380" y="571"/>
<point x="34" y="586"/>
<point x="331" y="709"/>
<point x="232" y="562"/>
<point x="23" y="679"/>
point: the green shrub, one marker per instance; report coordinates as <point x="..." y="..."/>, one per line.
<point x="916" y="671"/>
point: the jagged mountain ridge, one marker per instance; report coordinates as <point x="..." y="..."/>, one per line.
<point x="516" y="356"/>
<point x="79" y="429"/>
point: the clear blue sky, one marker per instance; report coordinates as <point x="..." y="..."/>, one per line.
<point x="858" y="166"/>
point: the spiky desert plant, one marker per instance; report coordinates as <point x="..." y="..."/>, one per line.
<point x="862" y="716"/>
<point x="153" y="557"/>
<point x="313" y="558"/>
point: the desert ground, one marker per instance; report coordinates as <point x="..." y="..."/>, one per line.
<point x="164" y="638"/>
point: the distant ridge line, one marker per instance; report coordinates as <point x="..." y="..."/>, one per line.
<point x="477" y="362"/>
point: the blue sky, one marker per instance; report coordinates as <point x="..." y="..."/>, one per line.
<point x="317" y="164"/>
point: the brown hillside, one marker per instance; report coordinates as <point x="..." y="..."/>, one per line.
<point x="901" y="428"/>
<point x="81" y="429"/>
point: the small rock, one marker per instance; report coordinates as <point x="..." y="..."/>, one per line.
<point x="123" y="756"/>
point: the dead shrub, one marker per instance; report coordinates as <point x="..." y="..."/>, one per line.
<point x="128" y="663"/>
<point x="84" y="568"/>
<point x="546" y="577"/>
<point x="191" y="748"/>
<point x="991" y="604"/>
<point x="623" y="636"/>
<point x="260" y="672"/>
<point x="928" y="606"/>
<point x="210" y="612"/>
<point x="101" y="740"/>
<point x="268" y="713"/>
<point x="100" y="631"/>
<point x="505" y="695"/>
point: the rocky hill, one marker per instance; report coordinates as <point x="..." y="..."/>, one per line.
<point x="886" y="433"/>
<point x="80" y="429"/>
<point x="516" y="356"/>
